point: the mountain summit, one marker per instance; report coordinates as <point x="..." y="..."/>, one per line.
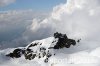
<point x="43" y="48"/>
<point x="52" y="51"/>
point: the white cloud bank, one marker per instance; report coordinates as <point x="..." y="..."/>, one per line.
<point x="6" y="2"/>
<point x="12" y="25"/>
<point x="76" y="18"/>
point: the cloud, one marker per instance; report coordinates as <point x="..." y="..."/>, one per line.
<point x="13" y="24"/>
<point x="6" y="2"/>
<point x="76" y="18"/>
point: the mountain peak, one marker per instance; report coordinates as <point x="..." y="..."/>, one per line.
<point x="43" y="48"/>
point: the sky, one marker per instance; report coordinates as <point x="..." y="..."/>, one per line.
<point x="31" y="4"/>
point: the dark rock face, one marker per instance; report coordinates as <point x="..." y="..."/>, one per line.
<point x="29" y="56"/>
<point x="63" y="41"/>
<point x="32" y="45"/>
<point x="46" y="60"/>
<point x="16" y="53"/>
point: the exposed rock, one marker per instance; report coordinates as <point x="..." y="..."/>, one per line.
<point x="63" y="41"/>
<point x="32" y="45"/>
<point x="42" y="49"/>
<point x="78" y="40"/>
<point x="10" y="55"/>
<point x="16" y="53"/>
<point x="46" y="60"/>
<point x="48" y="55"/>
<point x="29" y="56"/>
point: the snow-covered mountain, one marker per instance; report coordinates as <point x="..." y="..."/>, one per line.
<point x="51" y="51"/>
<point x="76" y="19"/>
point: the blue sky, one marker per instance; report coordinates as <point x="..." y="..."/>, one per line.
<point x="41" y="5"/>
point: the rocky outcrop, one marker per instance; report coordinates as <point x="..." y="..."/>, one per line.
<point x="63" y="41"/>
<point x="16" y="53"/>
<point x="38" y="50"/>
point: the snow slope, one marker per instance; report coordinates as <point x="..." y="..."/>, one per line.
<point x="61" y="57"/>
